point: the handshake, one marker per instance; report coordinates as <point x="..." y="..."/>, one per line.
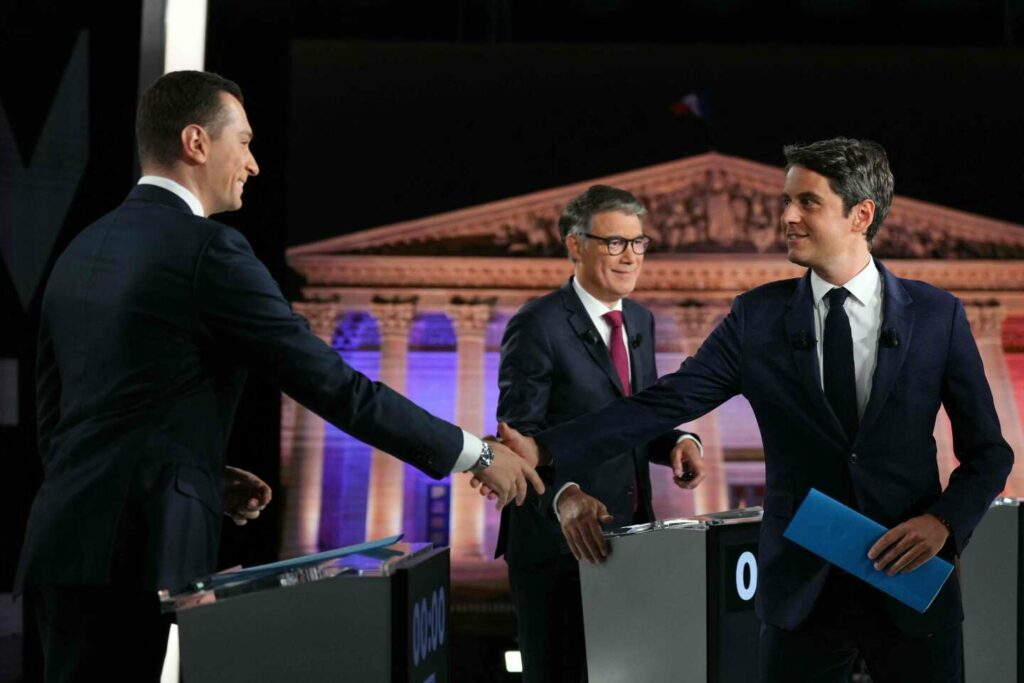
<point x="513" y="470"/>
<point x="580" y="515"/>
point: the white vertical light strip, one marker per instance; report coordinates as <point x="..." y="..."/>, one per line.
<point x="171" y="672"/>
<point x="185" y="35"/>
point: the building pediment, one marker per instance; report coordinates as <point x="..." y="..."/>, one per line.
<point x="707" y="204"/>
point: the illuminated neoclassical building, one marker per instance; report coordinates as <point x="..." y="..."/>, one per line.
<point x="422" y="305"/>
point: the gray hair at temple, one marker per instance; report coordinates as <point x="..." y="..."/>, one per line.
<point x="597" y="199"/>
<point x="856" y="170"/>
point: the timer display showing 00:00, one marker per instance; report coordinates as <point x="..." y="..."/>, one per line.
<point x="428" y="626"/>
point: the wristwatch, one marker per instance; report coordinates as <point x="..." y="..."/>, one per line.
<point x="485" y="460"/>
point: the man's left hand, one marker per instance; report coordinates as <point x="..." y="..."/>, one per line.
<point x="687" y="465"/>
<point x="245" y="495"/>
<point x="907" y="546"/>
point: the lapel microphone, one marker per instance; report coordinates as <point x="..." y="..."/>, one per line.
<point x="635" y="341"/>
<point x="891" y="338"/>
<point x="590" y="337"/>
<point x="803" y="340"/>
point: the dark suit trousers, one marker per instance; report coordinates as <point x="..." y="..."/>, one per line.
<point x="549" y="611"/>
<point x="849" y="618"/>
<point x="99" y="633"/>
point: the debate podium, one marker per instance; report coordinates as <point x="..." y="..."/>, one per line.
<point x="674" y="601"/>
<point x="992" y="582"/>
<point x="381" y="616"/>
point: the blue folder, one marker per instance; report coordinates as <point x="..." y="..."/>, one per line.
<point x="843" y="536"/>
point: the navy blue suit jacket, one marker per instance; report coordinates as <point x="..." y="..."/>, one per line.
<point x="150" y="320"/>
<point x="554" y="367"/>
<point x="765" y="350"/>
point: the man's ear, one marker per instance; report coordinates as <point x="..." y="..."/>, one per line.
<point x="574" y="245"/>
<point x="195" y="143"/>
<point x="863" y="215"/>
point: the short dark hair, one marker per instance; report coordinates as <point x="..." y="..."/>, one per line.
<point x="578" y="214"/>
<point x="175" y="100"/>
<point x="856" y="170"/>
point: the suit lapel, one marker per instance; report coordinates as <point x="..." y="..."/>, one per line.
<point x="897" y="325"/>
<point x="587" y="334"/>
<point x="798" y="322"/>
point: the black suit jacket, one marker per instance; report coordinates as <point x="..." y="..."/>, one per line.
<point x="765" y="349"/>
<point x="150" y="321"/>
<point x="554" y="367"/>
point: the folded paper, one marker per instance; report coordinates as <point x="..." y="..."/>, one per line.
<point x="843" y="536"/>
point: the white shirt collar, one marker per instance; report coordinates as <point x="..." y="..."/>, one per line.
<point x="595" y="309"/>
<point x="178" y="189"/>
<point x="861" y="287"/>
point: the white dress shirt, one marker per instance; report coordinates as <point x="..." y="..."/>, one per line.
<point x="864" y="309"/>
<point x="471" y="445"/>
<point x="596" y="310"/>
<point x="177" y="188"/>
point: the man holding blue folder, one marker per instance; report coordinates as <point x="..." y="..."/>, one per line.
<point x="845" y="369"/>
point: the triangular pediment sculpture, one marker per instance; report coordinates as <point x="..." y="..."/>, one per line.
<point x="706" y="204"/>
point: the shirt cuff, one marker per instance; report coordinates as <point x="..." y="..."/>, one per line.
<point x="554" y="503"/>
<point x="471" y="447"/>
<point x="691" y="437"/>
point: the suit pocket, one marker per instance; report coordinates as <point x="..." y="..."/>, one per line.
<point x="196" y="483"/>
<point x="779" y="504"/>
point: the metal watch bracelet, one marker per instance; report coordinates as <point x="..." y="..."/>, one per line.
<point x="485" y="460"/>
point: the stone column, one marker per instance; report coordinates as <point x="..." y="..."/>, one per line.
<point x="987" y="324"/>
<point x="305" y="467"/>
<point x="288" y="412"/>
<point x="468" y="508"/>
<point x="387" y="473"/>
<point x="695" y="323"/>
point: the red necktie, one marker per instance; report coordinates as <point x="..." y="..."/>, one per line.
<point x="621" y="362"/>
<point x="619" y="358"/>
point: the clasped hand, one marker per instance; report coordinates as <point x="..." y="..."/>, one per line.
<point x="509" y="476"/>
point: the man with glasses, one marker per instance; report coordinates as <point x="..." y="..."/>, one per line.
<point x="845" y="368"/>
<point x="563" y="355"/>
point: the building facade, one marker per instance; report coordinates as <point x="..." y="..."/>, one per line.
<point x="421" y="305"/>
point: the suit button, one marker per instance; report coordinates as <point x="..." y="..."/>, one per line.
<point x="629" y="491"/>
<point x="853" y="458"/>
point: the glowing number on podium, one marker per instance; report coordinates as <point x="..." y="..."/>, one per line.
<point x="428" y="626"/>
<point x="745" y="590"/>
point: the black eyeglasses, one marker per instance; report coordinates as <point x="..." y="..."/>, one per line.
<point x="616" y="245"/>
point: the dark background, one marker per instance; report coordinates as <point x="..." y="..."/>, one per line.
<point x="371" y="112"/>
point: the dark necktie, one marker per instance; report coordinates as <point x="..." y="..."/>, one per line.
<point x="840" y="379"/>
<point x="621" y="362"/>
<point x="619" y="358"/>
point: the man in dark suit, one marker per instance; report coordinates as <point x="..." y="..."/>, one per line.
<point x="845" y="369"/>
<point x="565" y="354"/>
<point x="150" y="321"/>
